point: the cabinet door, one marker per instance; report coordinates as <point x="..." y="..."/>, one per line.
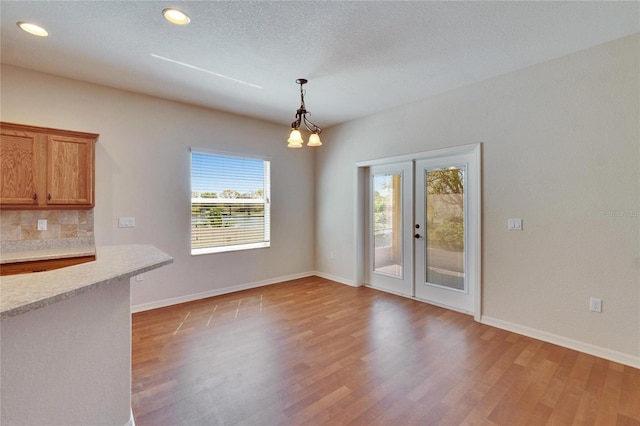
<point x="70" y="172"/>
<point x="19" y="168"/>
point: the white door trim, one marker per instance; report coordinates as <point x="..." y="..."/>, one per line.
<point x="436" y="153"/>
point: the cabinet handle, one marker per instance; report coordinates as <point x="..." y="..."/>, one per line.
<point x="35" y="195"/>
<point x="49" y="197"/>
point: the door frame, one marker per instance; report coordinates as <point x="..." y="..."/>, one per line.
<point x="474" y="151"/>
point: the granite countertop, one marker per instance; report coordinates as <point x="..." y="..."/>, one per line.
<point x="46" y="254"/>
<point x="22" y="293"/>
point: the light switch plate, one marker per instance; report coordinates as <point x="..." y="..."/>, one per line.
<point x="515" y="224"/>
<point x="126" y="222"/>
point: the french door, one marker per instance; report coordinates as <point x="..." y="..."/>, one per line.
<point x="390" y="219"/>
<point x="424" y="230"/>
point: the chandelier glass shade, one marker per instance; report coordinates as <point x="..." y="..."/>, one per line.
<point x="295" y="137"/>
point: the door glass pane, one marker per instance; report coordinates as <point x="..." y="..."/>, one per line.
<point x="445" y="227"/>
<point x="387" y="224"/>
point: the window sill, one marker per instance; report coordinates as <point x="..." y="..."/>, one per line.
<point x="223" y="249"/>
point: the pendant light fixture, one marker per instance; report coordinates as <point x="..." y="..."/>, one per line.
<point x="295" y="138"/>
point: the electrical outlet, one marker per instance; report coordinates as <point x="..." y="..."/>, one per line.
<point x="42" y="224"/>
<point x="595" y="304"/>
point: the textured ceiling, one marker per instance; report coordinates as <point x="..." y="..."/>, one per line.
<point x="359" y="57"/>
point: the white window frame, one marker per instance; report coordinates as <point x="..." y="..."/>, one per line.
<point x="266" y="201"/>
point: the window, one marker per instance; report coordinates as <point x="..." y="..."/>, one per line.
<point x="230" y="200"/>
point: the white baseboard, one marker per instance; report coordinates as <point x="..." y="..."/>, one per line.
<point x="611" y="355"/>
<point x="216" y="292"/>
<point x="337" y="279"/>
<point x="132" y="421"/>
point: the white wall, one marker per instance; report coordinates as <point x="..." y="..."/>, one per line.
<point x="142" y="170"/>
<point x="561" y="149"/>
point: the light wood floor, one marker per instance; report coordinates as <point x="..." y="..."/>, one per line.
<point x="314" y="352"/>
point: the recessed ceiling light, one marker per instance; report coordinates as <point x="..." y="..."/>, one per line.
<point x="33" y="29"/>
<point x="176" y="16"/>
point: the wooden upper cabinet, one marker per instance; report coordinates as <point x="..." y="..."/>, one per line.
<point x="70" y="171"/>
<point x="18" y="167"/>
<point x="46" y="168"/>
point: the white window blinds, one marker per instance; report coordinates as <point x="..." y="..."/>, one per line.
<point x="230" y="200"/>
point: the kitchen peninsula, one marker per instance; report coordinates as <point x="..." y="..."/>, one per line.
<point x="66" y="340"/>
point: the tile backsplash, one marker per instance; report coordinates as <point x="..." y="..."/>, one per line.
<point x="65" y="228"/>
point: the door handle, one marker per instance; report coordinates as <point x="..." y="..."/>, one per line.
<point x="417" y="236"/>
